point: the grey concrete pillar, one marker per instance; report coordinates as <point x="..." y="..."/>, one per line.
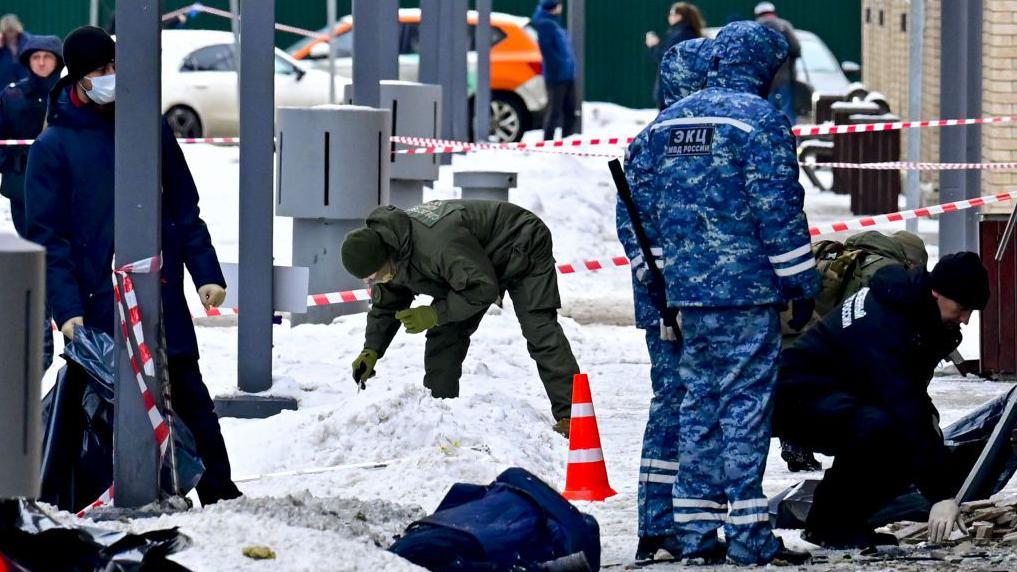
<point x="138" y="222"/>
<point x="973" y="139"/>
<point x="485" y="185"/>
<point x="916" y="73"/>
<point x="443" y="48"/>
<point x="577" y="32"/>
<point x="953" y="232"/>
<point x="375" y="47"/>
<point x="482" y="97"/>
<point x="333" y="171"/>
<point x="22" y="298"/>
<point x="416" y="112"/>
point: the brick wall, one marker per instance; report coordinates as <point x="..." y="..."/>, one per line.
<point x="885" y="59"/>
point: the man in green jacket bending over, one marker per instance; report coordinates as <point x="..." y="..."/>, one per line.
<point x="465" y="255"/>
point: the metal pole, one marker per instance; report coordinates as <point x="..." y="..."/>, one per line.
<point x="235" y="27"/>
<point x="916" y="75"/>
<point x="137" y="216"/>
<point x="482" y="97"/>
<point x="366" y="56"/>
<point x="330" y="8"/>
<point x="973" y="135"/>
<point x="388" y="36"/>
<point x="257" y="104"/>
<point x="459" y="112"/>
<point x="430" y="41"/>
<point x="93" y="13"/>
<point x="577" y="31"/>
<point x="443" y="50"/>
<point x="953" y="105"/>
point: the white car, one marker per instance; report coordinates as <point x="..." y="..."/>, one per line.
<point x="199" y="83"/>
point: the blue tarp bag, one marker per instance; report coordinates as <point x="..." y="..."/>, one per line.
<point x="517" y="523"/>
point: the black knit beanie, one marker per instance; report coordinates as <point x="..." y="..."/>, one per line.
<point x="87" y="49"/>
<point x="363" y="252"/>
<point x="962" y="278"/>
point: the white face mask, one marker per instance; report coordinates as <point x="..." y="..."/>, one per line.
<point x="103" y="89"/>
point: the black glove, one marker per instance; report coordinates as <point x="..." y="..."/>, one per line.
<point x="801" y="313"/>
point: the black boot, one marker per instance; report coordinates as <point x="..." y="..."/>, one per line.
<point x="792" y="557"/>
<point x="848" y="539"/>
<point x="798" y="458"/>
<point x="649" y="546"/>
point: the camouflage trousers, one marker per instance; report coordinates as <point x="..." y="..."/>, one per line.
<point x="729" y="368"/>
<point x="659" y="463"/>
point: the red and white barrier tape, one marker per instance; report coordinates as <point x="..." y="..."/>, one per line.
<point x="142" y="362"/>
<point x="914" y="166"/>
<point x="831" y="129"/>
<point x="199" y="7"/>
<point x="182" y="141"/>
<point x="866" y="222"/>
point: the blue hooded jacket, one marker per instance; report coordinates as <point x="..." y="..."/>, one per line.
<point x="70" y="206"/>
<point x="682" y="73"/>
<point x="23" y="104"/>
<point x="721" y="164"/>
<point x="12" y="70"/>
<point x="555" y="49"/>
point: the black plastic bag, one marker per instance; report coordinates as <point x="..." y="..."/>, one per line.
<point x="965" y="438"/>
<point x="77" y="452"/>
<point x="34" y="541"/>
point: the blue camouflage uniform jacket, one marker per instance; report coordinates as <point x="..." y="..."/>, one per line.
<point x="721" y="164"/>
<point x="682" y="72"/>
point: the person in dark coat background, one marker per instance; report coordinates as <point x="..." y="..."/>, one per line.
<point x="872" y="412"/>
<point x="22" y="115"/>
<point x="782" y="89"/>
<point x="686" y="23"/>
<point x="70" y="208"/>
<point x="13" y="39"/>
<point x="559" y="69"/>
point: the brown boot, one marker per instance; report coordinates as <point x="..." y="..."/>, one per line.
<point x="562" y="427"/>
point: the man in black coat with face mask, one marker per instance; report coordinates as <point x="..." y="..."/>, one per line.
<point x="855" y="387"/>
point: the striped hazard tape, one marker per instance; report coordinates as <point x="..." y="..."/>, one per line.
<point x="142" y="360"/>
<point x="915" y="166"/>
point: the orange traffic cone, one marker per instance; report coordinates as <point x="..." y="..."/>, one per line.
<point x="586" y="476"/>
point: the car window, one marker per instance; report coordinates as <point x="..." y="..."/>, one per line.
<point x="817" y="57"/>
<point x="283" y="67"/>
<point x="497" y="35"/>
<point x="409" y="38"/>
<point x="343" y="45"/>
<point x="210" y="58"/>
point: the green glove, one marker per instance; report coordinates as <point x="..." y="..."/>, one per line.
<point x="418" y="319"/>
<point x="363" y="366"/>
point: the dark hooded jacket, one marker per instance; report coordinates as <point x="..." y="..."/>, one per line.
<point x="464" y="254"/>
<point x="23" y="104"/>
<point x="559" y="60"/>
<point x="676" y="34"/>
<point x="70" y="206"/>
<point x="882" y="347"/>
<point x="12" y="70"/>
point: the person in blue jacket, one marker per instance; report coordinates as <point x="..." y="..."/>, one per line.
<point x="736" y="247"/>
<point x="70" y="206"/>
<point x="22" y="114"/>
<point x="13" y="39"/>
<point x="682" y="72"/>
<point x="559" y="69"/>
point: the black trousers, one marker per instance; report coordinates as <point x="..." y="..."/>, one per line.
<point x="561" y="109"/>
<point x="194" y="407"/>
<point x="868" y="470"/>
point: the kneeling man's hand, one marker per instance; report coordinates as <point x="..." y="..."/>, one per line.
<point x="418" y="319"/>
<point x="944" y="515"/>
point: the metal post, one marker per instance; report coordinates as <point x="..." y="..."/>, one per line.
<point x="973" y="136"/>
<point x="482" y="97"/>
<point x="22" y="296"/>
<point x="235" y="28"/>
<point x="137" y="216"/>
<point x="953" y="105"/>
<point x="375" y="48"/>
<point x="577" y="31"/>
<point x="916" y="75"/>
<point x="257" y="102"/>
<point x="330" y="8"/>
<point x="443" y="50"/>
<point x="93" y="13"/>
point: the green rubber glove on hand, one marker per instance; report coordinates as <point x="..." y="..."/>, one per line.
<point x="363" y="366"/>
<point x="418" y="319"/>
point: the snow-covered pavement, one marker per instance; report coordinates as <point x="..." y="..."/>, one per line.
<point x="501" y="420"/>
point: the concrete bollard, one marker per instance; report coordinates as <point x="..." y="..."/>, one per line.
<point x="485" y="185"/>
<point x="22" y="298"/>
<point x="333" y="171"/>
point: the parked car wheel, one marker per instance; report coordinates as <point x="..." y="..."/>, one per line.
<point x="509" y="117"/>
<point x="184" y="122"/>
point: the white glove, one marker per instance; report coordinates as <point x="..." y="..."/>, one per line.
<point x="68" y="328"/>
<point x="942" y="518"/>
<point x="212" y="295"/>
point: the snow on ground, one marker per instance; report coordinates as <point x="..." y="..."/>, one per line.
<point x="502" y="418"/>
